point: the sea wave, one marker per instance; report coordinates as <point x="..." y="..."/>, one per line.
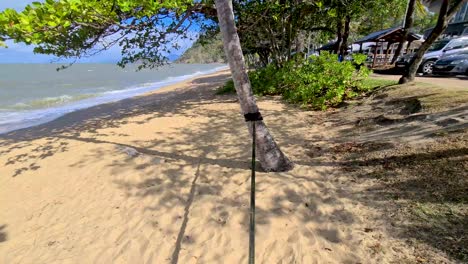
<point x="35" y="112"/>
<point x="50" y="101"/>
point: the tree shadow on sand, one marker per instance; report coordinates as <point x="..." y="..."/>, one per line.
<point x="202" y="161"/>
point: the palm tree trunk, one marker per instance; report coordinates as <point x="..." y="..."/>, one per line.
<point x="445" y="14"/>
<point x="268" y="152"/>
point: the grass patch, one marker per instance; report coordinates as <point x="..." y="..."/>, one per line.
<point x="375" y="83"/>
<point x="436" y="214"/>
<point x="441" y="224"/>
<point x="432" y="98"/>
<point x="428" y="185"/>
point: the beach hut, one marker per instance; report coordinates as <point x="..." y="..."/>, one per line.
<point x="385" y="43"/>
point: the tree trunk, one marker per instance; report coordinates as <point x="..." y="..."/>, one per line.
<point x="300" y="41"/>
<point x="445" y="14"/>
<point x="269" y="154"/>
<point x="300" y="37"/>
<point x="344" y="40"/>
<point x="408" y="24"/>
<point x="263" y="55"/>
<point x="289" y="40"/>
<point x="398" y="50"/>
<point x="339" y="35"/>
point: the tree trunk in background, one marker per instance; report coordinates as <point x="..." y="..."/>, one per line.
<point x="406" y="29"/>
<point x="263" y="56"/>
<point x="269" y="154"/>
<point x="300" y="38"/>
<point x="289" y="40"/>
<point x="339" y="35"/>
<point x="445" y="14"/>
<point x="300" y="41"/>
<point x="344" y="40"/>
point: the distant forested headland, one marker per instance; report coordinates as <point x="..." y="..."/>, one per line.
<point x="205" y="51"/>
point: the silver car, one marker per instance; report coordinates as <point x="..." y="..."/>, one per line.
<point x="438" y="49"/>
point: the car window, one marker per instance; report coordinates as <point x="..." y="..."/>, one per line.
<point x="458" y="43"/>
<point x="438" y="45"/>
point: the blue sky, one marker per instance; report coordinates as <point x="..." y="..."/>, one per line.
<point x="21" y="53"/>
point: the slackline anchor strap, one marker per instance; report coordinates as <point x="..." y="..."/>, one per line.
<point x="252" y="117"/>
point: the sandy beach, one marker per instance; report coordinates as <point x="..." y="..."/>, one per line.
<point x="164" y="178"/>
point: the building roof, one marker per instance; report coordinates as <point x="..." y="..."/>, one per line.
<point x="328" y="46"/>
<point x="388" y="35"/>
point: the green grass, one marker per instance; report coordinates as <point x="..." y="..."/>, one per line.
<point x="441" y="223"/>
<point x="432" y="97"/>
<point x="374" y="83"/>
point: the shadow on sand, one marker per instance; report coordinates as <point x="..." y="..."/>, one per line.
<point x="207" y="149"/>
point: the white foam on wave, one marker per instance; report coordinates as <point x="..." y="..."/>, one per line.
<point x="13" y="120"/>
<point x="48" y="102"/>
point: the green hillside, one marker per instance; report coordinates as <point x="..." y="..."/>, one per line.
<point x="206" y="51"/>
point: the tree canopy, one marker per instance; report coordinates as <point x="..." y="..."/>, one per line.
<point x="146" y="30"/>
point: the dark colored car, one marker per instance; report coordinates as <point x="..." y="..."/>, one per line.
<point x="455" y="64"/>
<point x="437" y="50"/>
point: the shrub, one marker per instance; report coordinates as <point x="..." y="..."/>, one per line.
<point x="317" y="82"/>
<point x="227" y="88"/>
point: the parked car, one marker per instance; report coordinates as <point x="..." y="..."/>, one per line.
<point x="437" y="50"/>
<point x="455" y="64"/>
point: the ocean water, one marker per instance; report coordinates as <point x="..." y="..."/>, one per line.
<point x="32" y="94"/>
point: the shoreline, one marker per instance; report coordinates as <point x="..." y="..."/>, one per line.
<point x="182" y="84"/>
<point x="61" y="111"/>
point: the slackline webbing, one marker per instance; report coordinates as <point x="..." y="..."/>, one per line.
<point x="252" y="117"/>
